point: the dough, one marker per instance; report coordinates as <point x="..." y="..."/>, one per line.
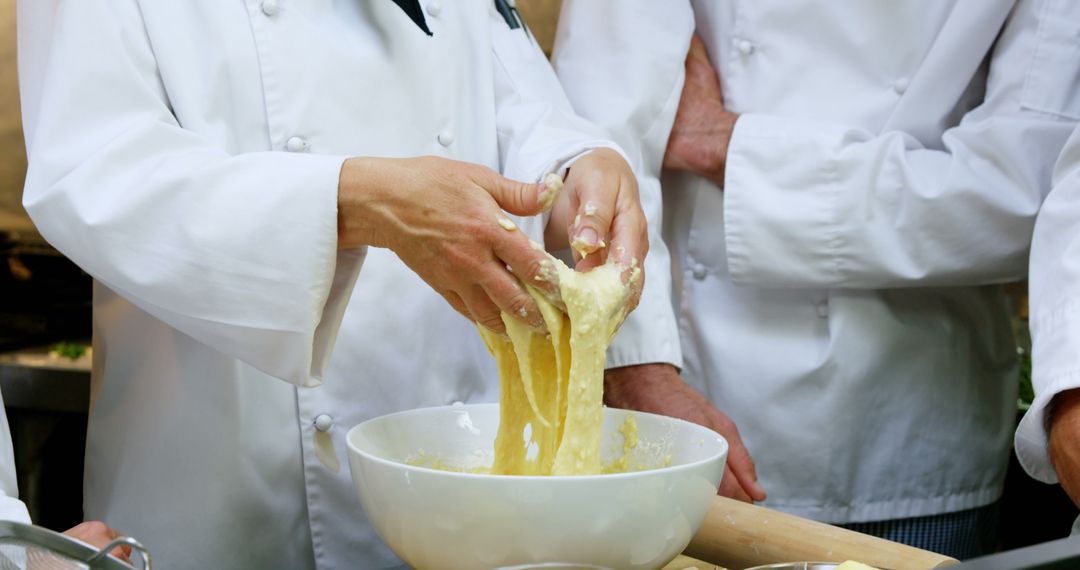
<point x="853" y="565"/>
<point x="551" y="399"/>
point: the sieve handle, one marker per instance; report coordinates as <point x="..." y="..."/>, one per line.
<point x="135" y="545"/>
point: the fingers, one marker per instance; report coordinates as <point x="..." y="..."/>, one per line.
<point x="483" y="311"/>
<point x="593" y="200"/>
<point x="729" y="487"/>
<point x="739" y="462"/>
<point x="98" y="534"/>
<point x="510" y="297"/>
<point x="516" y="197"/>
<point x="528" y="263"/>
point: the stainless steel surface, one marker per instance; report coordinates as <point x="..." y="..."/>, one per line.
<point x="26" y="546"/>
<point x="1063" y="554"/>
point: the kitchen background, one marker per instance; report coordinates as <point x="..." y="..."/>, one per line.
<point x="45" y="330"/>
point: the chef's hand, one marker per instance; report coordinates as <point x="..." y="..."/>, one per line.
<point x="444" y="219"/>
<point x="1064" y="438"/>
<point x="658" y="389"/>
<point x="98" y="534"/>
<point x="599" y="215"/>
<point x="702" y="130"/>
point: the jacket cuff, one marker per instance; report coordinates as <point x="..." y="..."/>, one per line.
<point x="781" y="217"/>
<point x="1055" y="336"/>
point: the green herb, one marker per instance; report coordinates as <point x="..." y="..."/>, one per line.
<point x="70" y="350"/>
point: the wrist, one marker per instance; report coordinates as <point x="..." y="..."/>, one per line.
<point x="1062" y="412"/>
<point x="713" y="161"/>
<point x="359" y="193"/>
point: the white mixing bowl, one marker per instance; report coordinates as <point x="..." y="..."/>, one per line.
<point x="435" y="519"/>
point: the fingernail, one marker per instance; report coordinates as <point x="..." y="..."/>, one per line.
<point x="552" y="186"/>
<point x="587" y="236"/>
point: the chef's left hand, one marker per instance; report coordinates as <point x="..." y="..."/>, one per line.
<point x="98" y="535"/>
<point x="658" y="389"/>
<point x="599" y="214"/>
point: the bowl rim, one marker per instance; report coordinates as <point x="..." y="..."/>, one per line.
<point x="724" y="449"/>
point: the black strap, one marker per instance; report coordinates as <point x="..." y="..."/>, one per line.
<point x="509" y="13"/>
<point x="415" y="13"/>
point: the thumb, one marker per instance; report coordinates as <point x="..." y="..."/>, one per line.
<point x="520" y="198"/>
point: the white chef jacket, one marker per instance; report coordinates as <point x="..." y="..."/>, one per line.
<point x="11" y="508"/>
<point x="837" y="298"/>
<point x="1054" y="296"/>
<point x="186" y="154"/>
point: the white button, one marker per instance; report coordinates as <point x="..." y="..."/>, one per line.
<point x="823" y="308"/>
<point x="323" y="422"/>
<point x="434" y="9"/>
<point x="699" y="271"/>
<point x="744" y="47"/>
<point x="271" y="7"/>
<point x="296" y="144"/>
<point x="900" y="85"/>
<point x="446" y="138"/>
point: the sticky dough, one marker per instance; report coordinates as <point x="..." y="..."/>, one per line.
<point x="554" y="383"/>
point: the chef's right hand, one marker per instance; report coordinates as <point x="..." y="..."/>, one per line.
<point x="658" y="389"/>
<point x="445" y="220"/>
<point x="1064" y="420"/>
<point x="98" y="534"/>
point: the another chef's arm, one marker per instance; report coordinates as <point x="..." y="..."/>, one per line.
<point x="621" y="66"/>
<point x="818" y="204"/>
<point x="1054" y="287"/>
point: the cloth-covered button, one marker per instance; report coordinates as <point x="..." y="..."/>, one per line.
<point x="271" y="7"/>
<point x="699" y="271"/>
<point x="296" y="144"/>
<point x="445" y="138"/>
<point x="823" y="308"/>
<point x="744" y="47"/>
<point x="434" y="9"/>
<point x="900" y="85"/>
<point x="323" y="422"/>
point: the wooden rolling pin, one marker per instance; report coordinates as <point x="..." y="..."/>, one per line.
<point x="739" y="535"/>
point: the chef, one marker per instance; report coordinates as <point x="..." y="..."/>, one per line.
<point x="1048" y="439"/>
<point x="849" y="181"/>
<point x="219" y="167"/>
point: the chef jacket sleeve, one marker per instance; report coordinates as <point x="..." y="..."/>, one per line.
<point x="816" y="204"/>
<point x="11" y="508"/>
<point x="238" y="251"/>
<point x="539" y="132"/>
<point x="1054" y="289"/>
